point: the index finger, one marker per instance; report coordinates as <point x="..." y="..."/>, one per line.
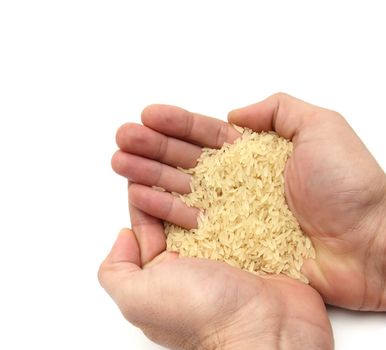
<point x="182" y="124"/>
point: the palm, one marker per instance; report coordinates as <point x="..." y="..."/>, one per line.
<point x="329" y="192"/>
<point x="196" y="293"/>
<point x="325" y="186"/>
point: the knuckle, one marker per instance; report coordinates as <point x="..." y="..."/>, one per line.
<point x="337" y="115"/>
<point x="332" y="116"/>
<point x="163" y="149"/>
<point x="280" y="95"/>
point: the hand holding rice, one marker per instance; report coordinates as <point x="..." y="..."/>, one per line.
<point x="245" y="220"/>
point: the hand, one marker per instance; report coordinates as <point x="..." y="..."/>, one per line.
<point x="337" y="191"/>
<point x="187" y="303"/>
<point x="333" y="185"/>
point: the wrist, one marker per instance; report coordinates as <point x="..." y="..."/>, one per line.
<point x="302" y="338"/>
<point x="382" y="237"/>
<point x="377" y="254"/>
<point x="275" y="332"/>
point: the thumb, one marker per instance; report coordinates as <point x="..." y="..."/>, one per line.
<point x="117" y="272"/>
<point x="280" y="112"/>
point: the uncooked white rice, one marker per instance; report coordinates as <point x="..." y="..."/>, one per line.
<point x="245" y="220"/>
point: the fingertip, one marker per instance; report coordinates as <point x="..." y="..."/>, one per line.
<point x="149" y="232"/>
<point x="163" y="205"/>
<point x="148" y="112"/>
<point x="258" y="116"/>
<point x="126" y="134"/>
<point x="162" y="117"/>
<point x="124" y="164"/>
<point x="232" y="115"/>
<point x="118" y="271"/>
<point x="116" y="161"/>
<point x="119" y="134"/>
<point x="155" y="113"/>
<point x="236" y="122"/>
<point x="125" y="232"/>
<point x="242" y="116"/>
<point x="125" y="248"/>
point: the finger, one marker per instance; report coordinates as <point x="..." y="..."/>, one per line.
<point x="177" y="122"/>
<point x="145" y="142"/>
<point x="149" y="232"/>
<point x="280" y="112"/>
<point x="163" y="205"/>
<point x="150" y="173"/>
<point x="161" y="258"/>
<point x="122" y="263"/>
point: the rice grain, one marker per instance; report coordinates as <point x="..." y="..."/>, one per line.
<point x="245" y="220"/>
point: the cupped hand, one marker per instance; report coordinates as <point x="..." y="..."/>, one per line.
<point x="187" y="303"/>
<point x="337" y="191"/>
<point x="333" y="185"/>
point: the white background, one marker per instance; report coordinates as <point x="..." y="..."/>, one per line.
<point x="72" y="71"/>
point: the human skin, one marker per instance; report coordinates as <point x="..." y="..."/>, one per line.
<point x="187" y="303"/>
<point x="333" y="185"/>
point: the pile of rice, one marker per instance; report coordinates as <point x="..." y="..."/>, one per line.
<point x="245" y="220"/>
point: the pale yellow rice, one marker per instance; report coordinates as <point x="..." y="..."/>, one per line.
<point x="245" y="220"/>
